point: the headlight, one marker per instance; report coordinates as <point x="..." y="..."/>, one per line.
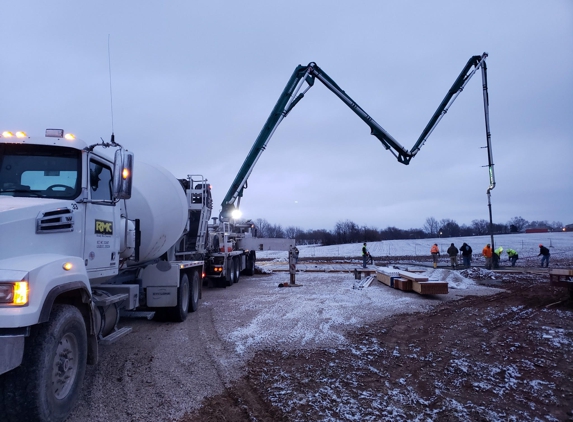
<point x="15" y="293"/>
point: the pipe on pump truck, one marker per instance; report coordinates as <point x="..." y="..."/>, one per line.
<point x="291" y="96"/>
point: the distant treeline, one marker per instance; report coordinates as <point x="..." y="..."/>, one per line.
<point x="350" y="232"/>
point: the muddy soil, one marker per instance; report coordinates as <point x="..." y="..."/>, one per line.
<point x="473" y="356"/>
<point x="506" y="357"/>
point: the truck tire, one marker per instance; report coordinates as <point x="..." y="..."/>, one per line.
<point x="179" y="312"/>
<point x="230" y="275"/>
<point x="46" y="386"/>
<point x="251" y="259"/>
<point x="237" y="268"/>
<point x="195" y="285"/>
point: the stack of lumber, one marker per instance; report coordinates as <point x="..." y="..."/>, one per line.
<point x="422" y="285"/>
<point x="386" y="275"/>
<point x="403" y="284"/>
<point x="561" y="277"/>
<point x="409" y="281"/>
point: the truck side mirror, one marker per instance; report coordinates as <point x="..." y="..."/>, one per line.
<point x="122" y="174"/>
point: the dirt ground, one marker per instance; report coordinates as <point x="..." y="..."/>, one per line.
<point x="327" y="352"/>
<point x="506" y="357"/>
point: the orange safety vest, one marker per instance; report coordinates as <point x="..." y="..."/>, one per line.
<point x="434" y="249"/>
<point x="486" y="252"/>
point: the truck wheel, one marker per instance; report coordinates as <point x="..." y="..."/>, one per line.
<point x="237" y="269"/>
<point x="47" y="384"/>
<point x="251" y="258"/>
<point x="230" y="276"/>
<point x="195" y="283"/>
<point x="179" y="312"/>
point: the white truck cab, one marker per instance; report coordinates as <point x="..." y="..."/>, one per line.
<point x="72" y="260"/>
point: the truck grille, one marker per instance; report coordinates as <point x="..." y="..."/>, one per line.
<point x="60" y="220"/>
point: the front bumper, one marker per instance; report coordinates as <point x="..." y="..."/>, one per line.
<point x="12" y="348"/>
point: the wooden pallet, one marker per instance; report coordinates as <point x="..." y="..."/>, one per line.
<point x="561" y="277"/>
<point x="412" y="276"/>
<point x="409" y="281"/>
<point x="403" y="284"/>
<point x="430" y="287"/>
<point x="385" y="279"/>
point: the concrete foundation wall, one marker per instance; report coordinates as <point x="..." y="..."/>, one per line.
<point x="266" y="244"/>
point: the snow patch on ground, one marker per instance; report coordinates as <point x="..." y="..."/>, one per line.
<point x="318" y="313"/>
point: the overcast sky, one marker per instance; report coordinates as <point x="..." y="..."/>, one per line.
<point x="194" y="82"/>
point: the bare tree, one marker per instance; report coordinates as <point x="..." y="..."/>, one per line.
<point x="262" y="226"/>
<point x="542" y="224"/>
<point x="449" y="228"/>
<point x="347" y="232"/>
<point x="557" y="226"/>
<point x="431" y="226"/>
<point x="390" y="233"/>
<point x="292" y="232"/>
<point x="517" y="224"/>
<point x="276" y="231"/>
<point x="369" y="234"/>
<point x="316" y="237"/>
<point x="480" y="227"/>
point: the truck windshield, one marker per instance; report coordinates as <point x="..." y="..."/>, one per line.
<point x="40" y="171"/>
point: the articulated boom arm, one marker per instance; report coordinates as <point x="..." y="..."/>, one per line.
<point x="291" y="96"/>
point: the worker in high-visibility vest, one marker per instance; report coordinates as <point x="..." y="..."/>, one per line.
<point x="513" y="256"/>
<point x="487" y="252"/>
<point x="435" y="251"/>
<point x="496" y="257"/>
<point x="364" y="255"/>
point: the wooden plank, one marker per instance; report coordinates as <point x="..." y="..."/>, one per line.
<point x="430" y="287"/>
<point x="412" y="276"/>
<point x="560" y="283"/>
<point x="560" y="278"/>
<point x="359" y="272"/>
<point x="385" y="278"/>
<point x="561" y="271"/>
<point x="403" y="284"/>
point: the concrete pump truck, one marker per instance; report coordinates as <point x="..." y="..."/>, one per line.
<point x="87" y="237"/>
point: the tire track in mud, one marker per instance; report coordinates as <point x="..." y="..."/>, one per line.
<point x="160" y="371"/>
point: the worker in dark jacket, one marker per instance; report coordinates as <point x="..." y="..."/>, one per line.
<point x="295" y="252"/>
<point x="495" y="258"/>
<point x="545" y="255"/>
<point x="466" y="251"/>
<point x="453" y="253"/>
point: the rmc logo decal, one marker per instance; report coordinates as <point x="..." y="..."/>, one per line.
<point x="103" y="227"/>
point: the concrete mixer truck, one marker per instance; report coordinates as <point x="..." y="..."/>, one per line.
<point x="86" y="237"/>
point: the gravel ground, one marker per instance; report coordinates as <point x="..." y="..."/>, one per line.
<point x="324" y="351"/>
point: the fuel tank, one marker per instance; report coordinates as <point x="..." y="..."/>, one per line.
<point x="159" y="202"/>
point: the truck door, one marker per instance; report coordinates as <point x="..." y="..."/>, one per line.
<point x="102" y="222"/>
